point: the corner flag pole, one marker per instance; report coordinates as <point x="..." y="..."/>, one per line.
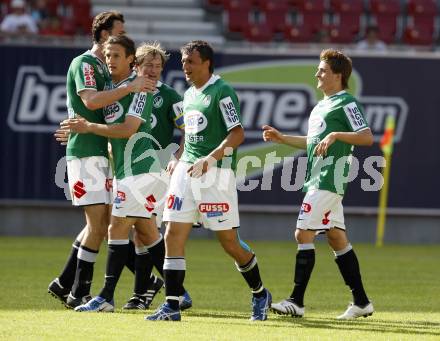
<point x="386" y="144"/>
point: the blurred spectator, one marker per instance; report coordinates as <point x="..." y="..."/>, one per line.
<point x="52" y="26"/>
<point x="39" y="11"/>
<point x="322" y="37"/>
<point x="371" y="41"/>
<point x="18" y="22"/>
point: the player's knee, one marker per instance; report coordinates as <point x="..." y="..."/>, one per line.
<point x="232" y="248"/>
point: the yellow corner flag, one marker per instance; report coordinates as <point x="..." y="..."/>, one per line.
<point x="386" y="145"/>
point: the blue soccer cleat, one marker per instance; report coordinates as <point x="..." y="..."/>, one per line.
<point x="97" y="304"/>
<point x="260" y="307"/>
<point x="164" y="313"/>
<point x="185" y="301"/>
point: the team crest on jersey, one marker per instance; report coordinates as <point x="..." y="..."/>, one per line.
<point x="100" y="70"/>
<point x="157" y="101"/>
<point x="112" y="112"/>
<point x="153" y="120"/>
<point x="317" y="125"/>
<point x="206" y="100"/>
<point x="195" y="122"/>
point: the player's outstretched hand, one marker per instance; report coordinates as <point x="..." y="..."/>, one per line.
<point x="171" y="166"/>
<point x="322" y="147"/>
<point x="77" y="125"/>
<point x="62" y="136"/>
<point x="142" y="84"/>
<point x="270" y="134"/>
<point x="201" y="166"/>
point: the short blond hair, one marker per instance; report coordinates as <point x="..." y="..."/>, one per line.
<point x="151" y="49"/>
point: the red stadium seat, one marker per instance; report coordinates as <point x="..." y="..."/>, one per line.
<point x="309" y="20"/>
<point x="275" y="13"/>
<point x="346" y="20"/>
<point x="260" y="33"/>
<point x="237" y="14"/>
<point x="386" y="14"/>
<point x="421" y="22"/>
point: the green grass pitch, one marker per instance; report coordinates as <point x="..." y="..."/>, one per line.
<point x="402" y="281"/>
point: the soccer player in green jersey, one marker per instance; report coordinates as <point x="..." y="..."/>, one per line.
<point x="87" y="158"/>
<point x="166" y="115"/>
<point x="336" y="125"/>
<point x="203" y="183"/>
<point x="137" y="173"/>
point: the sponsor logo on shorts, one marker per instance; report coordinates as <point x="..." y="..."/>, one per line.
<point x="305" y="208"/>
<point x="213" y="207"/>
<point x="174" y="202"/>
<point x="120" y="197"/>
<point x="214" y="214"/>
<point x="79" y="189"/>
<point x="151" y="200"/>
<point x="325" y="221"/>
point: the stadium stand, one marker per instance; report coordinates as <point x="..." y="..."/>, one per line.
<point x="172" y="22"/>
<point x="346" y="20"/>
<point x="420" y="23"/>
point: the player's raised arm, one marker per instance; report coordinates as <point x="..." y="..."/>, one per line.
<point x="98" y="99"/>
<point x="270" y="134"/>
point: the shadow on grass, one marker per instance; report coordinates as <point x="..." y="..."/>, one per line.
<point x="368" y="325"/>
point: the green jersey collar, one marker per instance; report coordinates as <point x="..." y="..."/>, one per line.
<point x="336" y="94"/>
<point x="212" y="80"/>
<point x="126" y="80"/>
<point x="90" y="53"/>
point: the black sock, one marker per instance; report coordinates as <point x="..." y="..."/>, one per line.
<point x="84" y="271"/>
<point x="142" y="278"/>
<point x="349" y="267"/>
<point x="157" y="251"/>
<point x="174" y="275"/>
<point x="116" y="259"/>
<point x="251" y="274"/>
<point x="305" y="261"/>
<point x="67" y="276"/>
<point x="130" y="263"/>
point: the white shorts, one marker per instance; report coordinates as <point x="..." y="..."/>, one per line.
<point x="138" y="196"/>
<point x="90" y="180"/>
<point x="321" y="210"/>
<point x="158" y="210"/>
<point x="210" y="199"/>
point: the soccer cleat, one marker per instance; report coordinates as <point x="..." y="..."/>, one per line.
<point x="72" y="302"/>
<point x="164" y="313"/>
<point x="185" y="301"/>
<point x="287" y="307"/>
<point x="354" y="311"/>
<point x="58" y="291"/>
<point x="97" y="304"/>
<point x="153" y="290"/>
<point x="260" y="306"/>
<point x="137" y="302"/>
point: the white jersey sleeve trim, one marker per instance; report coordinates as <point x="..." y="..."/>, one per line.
<point x="82" y="89"/>
<point x="135" y="115"/>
